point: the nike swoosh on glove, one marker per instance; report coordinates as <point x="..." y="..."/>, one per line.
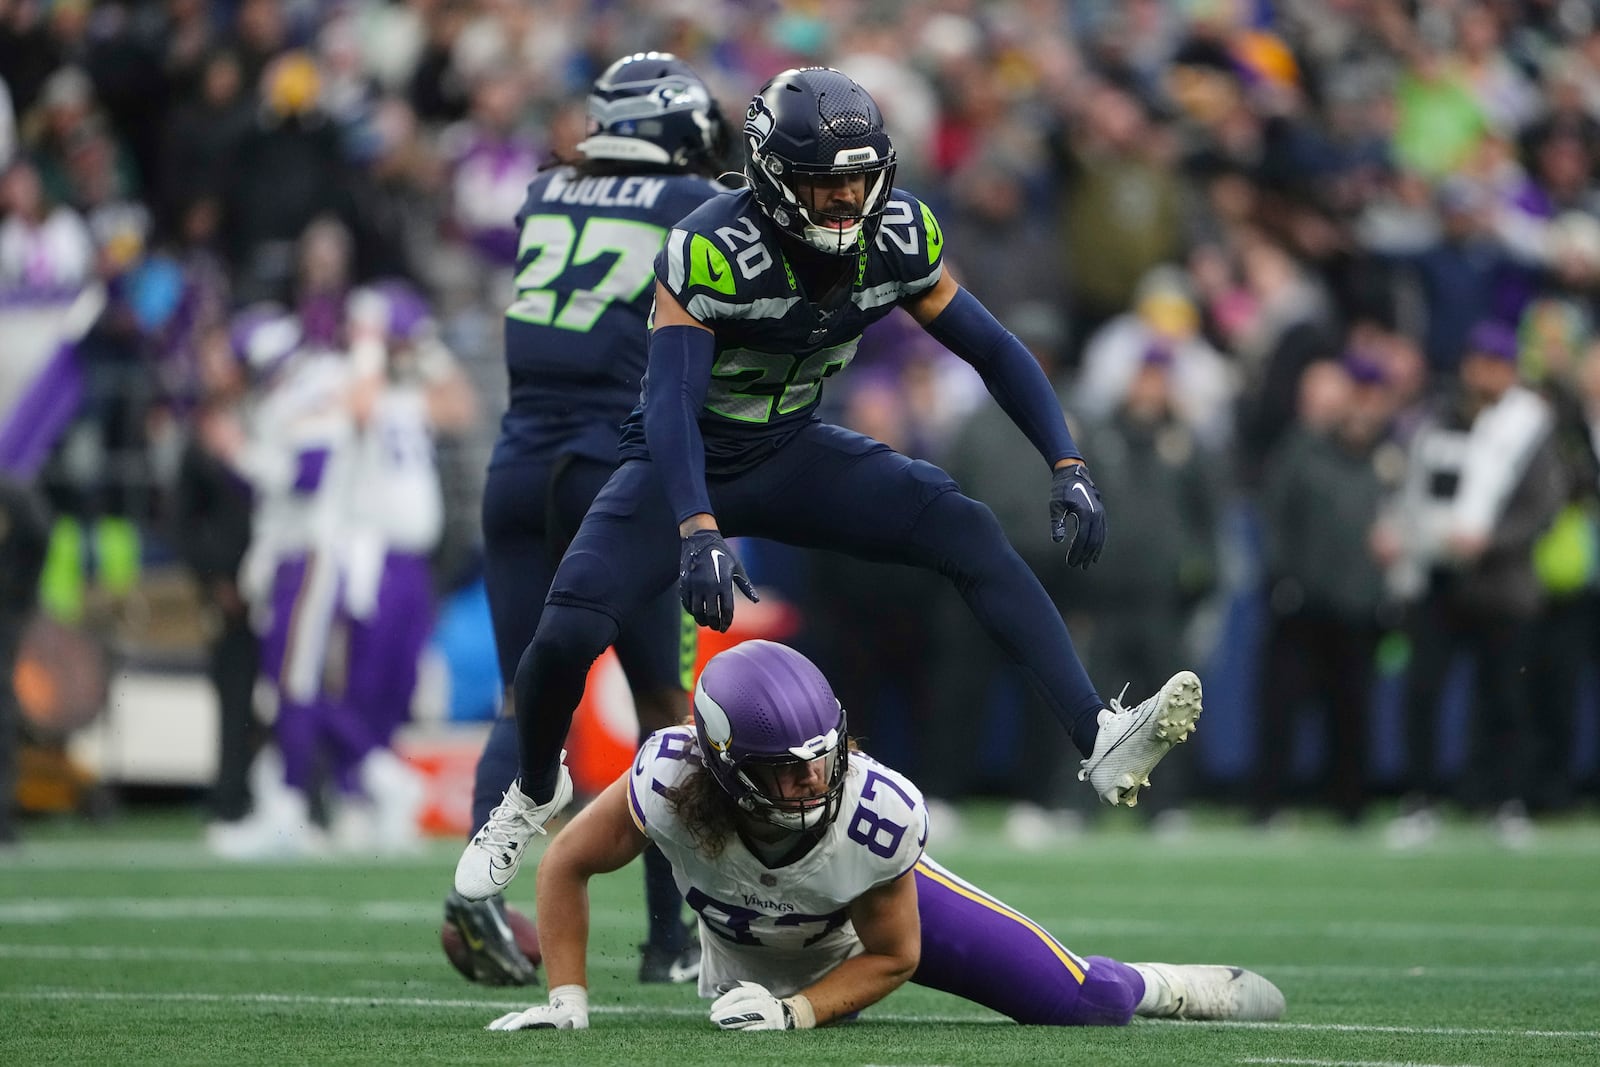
<point x="707" y="573"/>
<point x="749" y="1006"/>
<point x="1074" y="497"/>
<point x="568" y="1010"/>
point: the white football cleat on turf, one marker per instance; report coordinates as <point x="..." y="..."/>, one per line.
<point x="1131" y="741"/>
<point x="495" y="852"/>
<point x="280" y="828"/>
<point x="397" y="792"/>
<point x="1207" y="991"/>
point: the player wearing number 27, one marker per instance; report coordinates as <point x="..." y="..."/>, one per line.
<point x="575" y="353"/>
<point x="761" y="294"/>
<point x="804" y="859"/>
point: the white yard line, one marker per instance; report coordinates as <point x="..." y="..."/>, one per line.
<point x="242" y="956"/>
<point x="44" y="911"/>
<point x="1445" y="972"/>
<point x="335" y="957"/>
<point x="155" y="855"/>
<point x="174" y="853"/>
<point x="51" y="910"/>
<point x="484" y="1004"/>
<point x="1349" y="1063"/>
<point x="1070" y="927"/>
<point x="1413" y="1031"/>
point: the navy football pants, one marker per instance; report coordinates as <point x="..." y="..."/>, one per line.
<point x="531" y="511"/>
<point x="826" y="487"/>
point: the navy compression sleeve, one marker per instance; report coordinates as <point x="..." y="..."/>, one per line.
<point x="675" y="391"/>
<point x="1009" y="371"/>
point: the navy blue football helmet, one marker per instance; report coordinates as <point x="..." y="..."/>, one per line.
<point x="816" y="121"/>
<point x="761" y="708"/>
<point x="651" y="107"/>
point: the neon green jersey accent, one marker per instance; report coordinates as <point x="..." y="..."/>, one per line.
<point x="930" y="226"/>
<point x="688" y="649"/>
<point x="708" y="266"/>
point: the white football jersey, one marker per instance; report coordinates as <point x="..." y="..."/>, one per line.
<point x="783" y="927"/>
<point x="396" y="489"/>
<point x="298" y="459"/>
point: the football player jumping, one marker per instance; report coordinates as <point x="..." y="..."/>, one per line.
<point x="804" y="859"/>
<point x="760" y="295"/>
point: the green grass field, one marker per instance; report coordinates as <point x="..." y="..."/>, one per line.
<point x="129" y="945"/>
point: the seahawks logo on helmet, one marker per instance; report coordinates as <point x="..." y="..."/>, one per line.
<point x="758" y="123"/>
<point x="669" y="94"/>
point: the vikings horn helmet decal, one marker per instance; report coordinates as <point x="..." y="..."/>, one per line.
<point x="763" y="712"/>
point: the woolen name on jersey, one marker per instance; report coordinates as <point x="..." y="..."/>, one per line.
<point x="634" y="192"/>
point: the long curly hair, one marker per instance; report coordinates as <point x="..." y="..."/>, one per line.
<point x="702" y="807"/>
<point x="705" y="811"/>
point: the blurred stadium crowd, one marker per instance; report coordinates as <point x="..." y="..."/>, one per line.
<point x="1316" y="279"/>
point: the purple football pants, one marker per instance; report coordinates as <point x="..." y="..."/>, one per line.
<point x="294" y="653"/>
<point x="979" y="948"/>
<point x="382" y="669"/>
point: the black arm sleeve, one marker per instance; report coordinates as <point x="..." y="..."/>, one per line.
<point x="1009" y="371"/>
<point x="675" y="391"/>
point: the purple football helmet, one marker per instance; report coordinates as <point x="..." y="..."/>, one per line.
<point x="264" y="336"/>
<point x="762" y="712"/>
<point x="394" y="307"/>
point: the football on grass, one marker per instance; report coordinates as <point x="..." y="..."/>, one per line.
<point x="522" y="928"/>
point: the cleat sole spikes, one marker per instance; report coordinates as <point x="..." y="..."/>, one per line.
<point x="1131" y="741"/>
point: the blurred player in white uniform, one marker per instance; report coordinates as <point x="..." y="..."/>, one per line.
<point x="295" y="453"/>
<point x="302" y="452"/>
<point x="804" y="860"/>
<point x="405" y="386"/>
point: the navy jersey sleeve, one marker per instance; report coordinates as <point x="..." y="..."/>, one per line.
<point x="912" y="244"/>
<point x="703" y="270"/>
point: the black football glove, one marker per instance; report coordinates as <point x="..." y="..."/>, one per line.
<point x="1075" y="502"/>
<point x="707" y="573"/>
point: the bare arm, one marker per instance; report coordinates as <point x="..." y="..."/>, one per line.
<point x="671" y="313"/>
<point x="602" y="838"/>
<point x="926" y="305"/>
<point x="886" y="920"/>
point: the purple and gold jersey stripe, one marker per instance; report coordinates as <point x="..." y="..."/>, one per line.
<point x="635" y="808"/>
<point x="931" y="870"/>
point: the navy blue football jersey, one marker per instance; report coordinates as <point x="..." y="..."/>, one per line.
<point x="774" y="346"/>
<point x="576" y="338"/>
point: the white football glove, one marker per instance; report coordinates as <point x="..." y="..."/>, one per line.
<point x="749" y="1006"/>
<point x="568" y="1010"/>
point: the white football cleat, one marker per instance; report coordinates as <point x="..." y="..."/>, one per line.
<point x="397" y="793"/>
<point x="1207" y="991"/>
<point x="1131" y="741"/>
<point x="495" y="852"/>
<point x="280" y="828"/>
<point x="1411" y="830"/>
